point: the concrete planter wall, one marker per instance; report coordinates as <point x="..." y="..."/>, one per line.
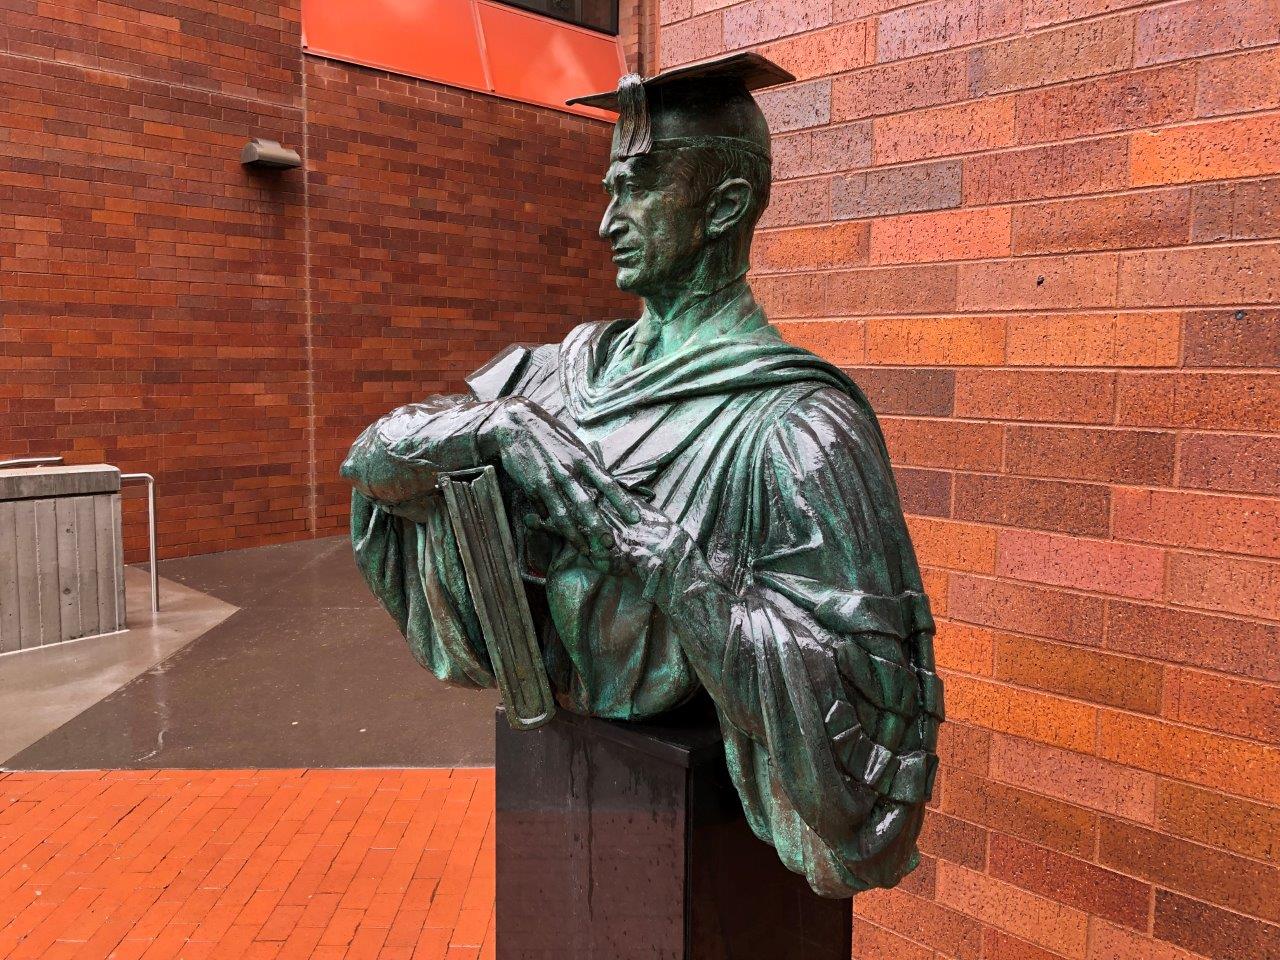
<point x="61" y="562"/>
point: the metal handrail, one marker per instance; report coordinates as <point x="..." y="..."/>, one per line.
<point x="151" y="513"/>
<point x="151" y="532"/>
<point x="29" y="462"/>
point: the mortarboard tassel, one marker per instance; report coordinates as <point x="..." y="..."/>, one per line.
<point x="633" y="135"/>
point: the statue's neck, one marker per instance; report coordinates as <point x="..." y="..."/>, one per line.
<point x="672" y="323"/>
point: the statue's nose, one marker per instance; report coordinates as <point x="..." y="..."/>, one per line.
<point x="609" y="225"/>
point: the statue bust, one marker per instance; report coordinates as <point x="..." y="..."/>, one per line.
<point x="700" y="506"/>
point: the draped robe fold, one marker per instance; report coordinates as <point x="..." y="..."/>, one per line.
<point x="800" y="609"/>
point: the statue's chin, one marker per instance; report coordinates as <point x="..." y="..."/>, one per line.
<point x="628" y="279"/>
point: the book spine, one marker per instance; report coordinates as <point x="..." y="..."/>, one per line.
<point x="479" y="521"/>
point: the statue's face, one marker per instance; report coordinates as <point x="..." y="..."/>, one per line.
<point x="656" y="230"/>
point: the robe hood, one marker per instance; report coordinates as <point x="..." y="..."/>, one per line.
<point x="732" y="362"/>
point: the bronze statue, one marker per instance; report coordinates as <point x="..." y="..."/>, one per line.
<point x="698" y="504"/>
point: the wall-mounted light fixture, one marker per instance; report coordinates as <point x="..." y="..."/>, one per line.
<point x="262" y="154"/>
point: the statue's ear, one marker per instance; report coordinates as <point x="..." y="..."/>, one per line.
<point x="727" y="206"/>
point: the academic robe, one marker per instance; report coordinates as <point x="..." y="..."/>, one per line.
<point x="795" y="600"/>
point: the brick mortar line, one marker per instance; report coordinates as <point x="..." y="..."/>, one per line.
<point x="1094" y="308"/>
<point x="1159" y="717"/>
<point x="1096" y="539"/>
<point x="142" y="78"/>
<point x="1007" y="367"/>
<point x="308" y="305"/>
<point x="1179" y="440"/>
<point x="1029" y="201"/>
<point x="1148" y="825"/>
<point x="1097" y="308"/>
<point x="1136" y="8"/>
<point x="1121" y="541"/>
<point x="1123" y="132"/>
<point x="1017" y="257"/>
<point x="88" y="278"/>
<point x="896" y="934"/>
<point x="1152" y="603"/>
<point x="1031" y="788"/>
<point x="1121" y="192"/>
<point x="1268" y="112"/>
<point x="1134" y="12"/>
<point x="1203" y="552"/>
<point x="1018" y="312"/>
<point x="1196" y="668"/>
<point x="1162" y="604"/>
<point x="941" y="212"/>
<point x="1226" y="244"/>
<point x="989" y="97"/>
<point x="1075" y="425"/>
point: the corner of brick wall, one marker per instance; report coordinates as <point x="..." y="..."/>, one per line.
<point x="1042" y="235"/>
<point x="165" y="310"/>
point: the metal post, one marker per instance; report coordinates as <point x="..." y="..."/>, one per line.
<point x="151" y="533"/>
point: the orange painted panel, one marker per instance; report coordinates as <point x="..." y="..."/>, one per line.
<point x="540" y="60"/>
<point x="432" y="39"/>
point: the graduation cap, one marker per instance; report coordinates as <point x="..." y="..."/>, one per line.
<point x="700" y="104"/>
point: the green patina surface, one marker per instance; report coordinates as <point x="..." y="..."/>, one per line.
<point x="704" y="506"/>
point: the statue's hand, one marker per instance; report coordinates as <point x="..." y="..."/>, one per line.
<point x="640" y="546"/>
<point x="556" y="471"/>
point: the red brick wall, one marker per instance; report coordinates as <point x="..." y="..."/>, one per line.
<point x="638" y="20"/>
<point x="164" y="310"/>
<point x="1042" y="235"/>
<point x="445" y="226"/>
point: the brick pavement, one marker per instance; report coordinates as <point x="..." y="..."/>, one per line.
<point x="327" y="864"/>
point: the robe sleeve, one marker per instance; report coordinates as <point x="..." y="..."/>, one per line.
<point x="400" y="532"/>
<point x="398" y="459"/>
<point x="820" y="658"/>
<point x="413" y="568"/>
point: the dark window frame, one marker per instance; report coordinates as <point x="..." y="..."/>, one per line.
<point x="531" y="6"/>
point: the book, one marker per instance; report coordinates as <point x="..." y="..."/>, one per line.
<point x="479" y="520"/>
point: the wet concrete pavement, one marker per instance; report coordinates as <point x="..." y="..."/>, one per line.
<point x="43" y="688"/>
<point x="309" y="672"/>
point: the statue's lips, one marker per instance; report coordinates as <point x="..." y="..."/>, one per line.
<point x="622" y="257"/>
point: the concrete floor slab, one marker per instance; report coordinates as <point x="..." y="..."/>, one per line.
<point x="309" y="672"/>
<point x="43" y="688"/>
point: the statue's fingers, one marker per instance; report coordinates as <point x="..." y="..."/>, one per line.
<point x="589" y="516"/>
<point x="611" y="490"/>
<point x="559" y="511"/>
<point x="535" y="522"/>
<point x="561" y="521"/>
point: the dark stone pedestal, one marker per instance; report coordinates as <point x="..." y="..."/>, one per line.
<point x="627" y="842"/>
